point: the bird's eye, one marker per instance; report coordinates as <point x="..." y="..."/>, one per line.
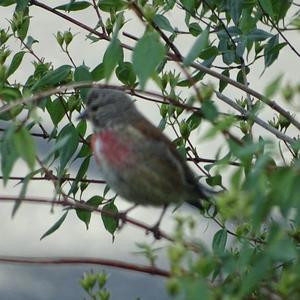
<point x="93" y="108"/>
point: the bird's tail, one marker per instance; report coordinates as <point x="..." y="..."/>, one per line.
<point x="206" y="194"/>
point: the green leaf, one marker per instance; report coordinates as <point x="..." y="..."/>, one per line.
<point x="219" y="241"/>
<point x="254" y="275"/>
<point x="22" y="4"/>
<point x="25" y="146"/>
<point x="150" y="48"/>
<point x="209" y="110"/>
<point x="258" y="35"/>
<point x="84" y="151"/>
<point x="194" y="289"/>
<point x="81" y="127"/>
<point x="74" y="6"/>
<point x="84" y="214"/>
<point x="273" y="87"/>
<point x="95" y="201"/>
<point x="190" y="5"/>
<point x="22" y="194"/>
<point x="267" y="7"/>
<point x="194" y="121"/>
<point x="55" y="226"/>
<point x="200" y="44"/>
<point x="30" y="41"/>
<point x="66" y="152"/>
<point x="111" y="5"/>
<point x="195" y="29"/>
<point x="82" y="73"/>
<point x="112" y="56"/>
<point x="209" y="53"/>
<point x="98" y="73"/>
<point x="81" y="173"/>
<point x="223" y="84"/>
<point x="125" y="73"/>
<point x="15" y="63"/>
<point x="56" y="110"/>
<point x="22" y="29"/>
<point x="235" y="9"/>
<point x="214" y="180"/>
<point x="272" y="49"/>
<point x="52" y="78"/>
<point x="163" y="23"/>
<point x="9" y="154"/>
<point x="58" y="145"/>
<point x="10" y="93"/>
<point x="7" y="2"/>
<point x="247" y="21"/>
<point x="280" y="8"/>
<point x="110" y="223"/>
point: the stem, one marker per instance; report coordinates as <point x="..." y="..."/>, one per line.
<point x="63" y="179"/>
<point x="84" y="260"/>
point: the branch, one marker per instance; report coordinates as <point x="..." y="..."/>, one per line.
<point x="63" y="179"/>
<point x="137" y="93"/>
<point x="252" y="92"/>
<point x="66" y="202"/>
<point x="84" y="260"/>
<point x="75" y="22"/>
<point x="66" y="17"/>
<point x="278" y="30"/>
<point x="256" y="119"/>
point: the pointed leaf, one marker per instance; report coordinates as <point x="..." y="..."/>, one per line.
<point x="9" y="154"/>
<point x="15" y="63"/>
<point x="66" y="152"/>
<point x="200" y="44"/>
<point x="25" y="183"/>
<point x="112" y="56"/>
<point x="55" y="226"/>
<point x="25" y="146"/>
<point x="84" y="214"/>
<point x="219" y="241"/>
<point x="79" y="5"/>
<point x="53" y="77"/>
<point x="148" y="47"/>
<point x="110" y="223"/>
<point x="81" y="173"/>
<point x="163" y="23"/>
<point x="82" y="73"/>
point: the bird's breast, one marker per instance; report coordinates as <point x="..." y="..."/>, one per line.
<point x="109" y="148"/>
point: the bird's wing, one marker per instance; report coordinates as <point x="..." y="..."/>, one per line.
<point x="159" y="171"/>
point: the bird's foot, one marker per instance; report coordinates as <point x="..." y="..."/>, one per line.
<point x="123" y="215"/>
<point x="155" y="231"/>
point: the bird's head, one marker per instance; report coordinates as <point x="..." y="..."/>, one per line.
<point x="107" y="107"/>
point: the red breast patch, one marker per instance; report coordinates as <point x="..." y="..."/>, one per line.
<point x="107" y="145"/>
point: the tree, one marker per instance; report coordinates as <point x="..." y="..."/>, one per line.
<point x="256" y="162"/>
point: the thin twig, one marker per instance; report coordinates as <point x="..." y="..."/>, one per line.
<point x="76" y="204"/>
<point x="256" y="119"/>
<point x="62" y="179"/>
<point x="278" y="30"/>
<point x="84" y="260"/>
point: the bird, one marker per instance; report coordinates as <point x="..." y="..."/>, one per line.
<point x="136" y="159"/>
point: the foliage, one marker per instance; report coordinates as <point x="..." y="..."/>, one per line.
<point x="255" y="252"/>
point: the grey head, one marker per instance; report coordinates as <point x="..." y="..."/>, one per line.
<point x="107" y="107"/>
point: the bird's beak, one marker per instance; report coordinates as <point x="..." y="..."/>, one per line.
<point x="83" y="116"/>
